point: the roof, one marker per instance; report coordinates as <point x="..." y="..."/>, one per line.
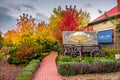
<point x="105" y="19"/>
<point x="112" y="12"/>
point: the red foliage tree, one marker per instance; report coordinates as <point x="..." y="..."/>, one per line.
<point x="70" y="21"/>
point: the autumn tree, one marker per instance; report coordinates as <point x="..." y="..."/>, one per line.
<point x="26" y="27"/>
<point x="1" y="41"/>
<point x="68" y="20"/>
<point x="11" y="37"/>
<point x="45" y="37"/>
<point x="28" y="40"/>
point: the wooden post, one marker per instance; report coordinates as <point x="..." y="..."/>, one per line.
<point x="118" y="5"/>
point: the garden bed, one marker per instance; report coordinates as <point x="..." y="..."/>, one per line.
<point x="72" y="66"/>
<point x="100" y="76"/>
<point x="8" y="71"/>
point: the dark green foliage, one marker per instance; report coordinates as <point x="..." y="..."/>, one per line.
<point x="13" y="58"/>
<point x="47" y="46"/>
<point x="28" y="72"/>
<point x="60" y="49"/>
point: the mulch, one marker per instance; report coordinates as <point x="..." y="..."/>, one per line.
<point x="8" y="71"/>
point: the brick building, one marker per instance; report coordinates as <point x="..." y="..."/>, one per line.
<point x="104" y="22"/>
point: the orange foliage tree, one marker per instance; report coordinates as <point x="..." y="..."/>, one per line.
<point x="29" y="39"/>
<point x="11" y="38"/>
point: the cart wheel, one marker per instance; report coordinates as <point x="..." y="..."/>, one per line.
<point x="97" y="53"/>
<point x="76" y="52"/>
<point x="68" y="50"/>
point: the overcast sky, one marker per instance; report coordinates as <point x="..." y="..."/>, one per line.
<point x="42" y="9"/>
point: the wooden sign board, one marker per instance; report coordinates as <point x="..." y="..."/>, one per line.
<point x="79" y="38"/>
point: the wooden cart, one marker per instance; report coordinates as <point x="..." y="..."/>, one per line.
<point x="87" y="44"/>
<point x="78" y="50"/>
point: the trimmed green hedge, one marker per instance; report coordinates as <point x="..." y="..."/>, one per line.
<point x="65" y="69"/>
<point x="67" y="65"/>
<point x="28" y="72"/>
<point x="73" y="68"/>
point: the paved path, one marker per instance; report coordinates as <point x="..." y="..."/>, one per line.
<point x="47" y="69"/>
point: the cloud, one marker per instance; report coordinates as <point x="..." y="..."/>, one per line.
<point x="28" y="7"/>
<point x="14" y="6"/>
<point x="41" y="17"/>
<point x="88" y="5"/>
<point x="34" y="0"/>
<point x="4" y="10"/>
<point x="6" y="22"/>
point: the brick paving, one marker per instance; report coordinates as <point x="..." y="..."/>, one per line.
<point x="48" y="69"/>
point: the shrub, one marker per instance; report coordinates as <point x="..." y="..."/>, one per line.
<point x="60" y="49"/>
<point x="26" y="52"/>
<point x="65" y="69"/>
<point x="28" y="72"/>
<point x="111" y="52"/>
<point x="118" y="64"/>
<point x="13" y="59"/>
<point x="68" y="59"/>
<point x="103" y="66"/>
<point x="48" y="46"/>
<point x="70" y="66"/>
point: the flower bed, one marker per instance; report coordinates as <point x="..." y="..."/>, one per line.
<point x="73" y="66"/>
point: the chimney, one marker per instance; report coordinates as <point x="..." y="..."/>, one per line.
<point x="118" y="5"/>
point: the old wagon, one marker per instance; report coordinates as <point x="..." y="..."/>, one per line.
<point x="77" y="43"/>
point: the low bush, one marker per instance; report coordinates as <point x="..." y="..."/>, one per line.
<point x="72" y="66"/>
<point x="67" y="59"/>
<point x="48" y="46"/>
<point x="65" y="69"/>
<point x="118" y="65"/>
<point x="28" y="72"/>
<point x="111" y="52"/>
<point x="23" y="54"/>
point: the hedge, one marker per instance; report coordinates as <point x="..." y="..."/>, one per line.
<point x="28" y="72"/>
<point x="72" y="66"/>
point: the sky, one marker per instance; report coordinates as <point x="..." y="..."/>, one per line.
<point x="41" y="10"/>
